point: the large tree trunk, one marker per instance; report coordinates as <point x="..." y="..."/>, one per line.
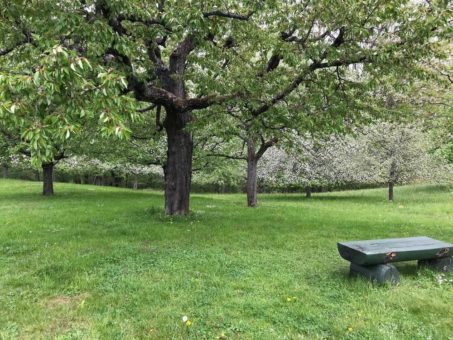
<point x="178" y="170"/>
<point x="391" y="185"/>
<point x="47" y="171"/>
<point x="252" y="164"/>
<point x="308" y="192"/>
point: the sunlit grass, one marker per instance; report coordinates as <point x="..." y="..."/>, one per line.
<point x="97" y="262"/>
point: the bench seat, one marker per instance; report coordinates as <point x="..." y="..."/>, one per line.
<point x="373" y="252"/>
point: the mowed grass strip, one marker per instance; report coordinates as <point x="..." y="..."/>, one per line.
<point x="96" y="262"/>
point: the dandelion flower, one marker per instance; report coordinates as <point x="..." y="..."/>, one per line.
<point x="221" y="336"/>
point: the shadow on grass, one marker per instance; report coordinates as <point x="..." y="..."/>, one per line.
<point x="87" y="194"/>
<point x="83" y="194"/>
<point x="407" y="269"/>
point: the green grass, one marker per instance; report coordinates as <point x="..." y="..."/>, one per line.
<point x="105" y="263"/>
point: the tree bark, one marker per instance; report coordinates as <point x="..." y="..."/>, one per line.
<point x="173" y="97"/>
<point x="178" y="169"/>
<point x="252" y="165"/>
<point x="391" y="185"/>
<point x="47" y="170"/>
<point x="308" y="192"/>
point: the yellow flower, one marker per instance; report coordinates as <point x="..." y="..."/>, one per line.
<point x="186" y="321"/>
<point x="221" y="336"/>
<point x="349" y="329"/>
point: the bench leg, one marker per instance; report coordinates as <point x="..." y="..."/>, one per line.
<point x="381" y="273"/>
<point x="444" y="264"/>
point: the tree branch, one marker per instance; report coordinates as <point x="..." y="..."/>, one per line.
<point x="299" y="79"/>
<point x="146" y="109"/>
<point x="10" y="49"/>
<point x="206" y="101"/>
<point x="264" y="146"/>
<point x="226" y="156"/>
<point x="26" y="39"/>
<point x="146" y="22"/>
<point x="179" y="55"/>
<point x="230" y="15"/>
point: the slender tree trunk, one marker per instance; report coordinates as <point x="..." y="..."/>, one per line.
<point x="178" y="170"/>
<point x="5" y="171"/>
<point x="308" y="192"/>
<point x="392" y="177"/>
<point x="391" y="185"/>
<point x="135" y="185"/>
<point x="252" y="165"/>
<point x="47" y="171"/>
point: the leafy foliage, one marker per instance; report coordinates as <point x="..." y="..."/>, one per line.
<point x="55" y="97"/>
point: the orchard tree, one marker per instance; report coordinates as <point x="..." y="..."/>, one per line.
<point x="84" y="170"/>
<point x="320" y="73"/>
<point x="45" y="101"/>
<point x="315" y="162"/>
<point x="384" y="152"/>
<point x="253" y="54"/>
<point x="399" y="154"/>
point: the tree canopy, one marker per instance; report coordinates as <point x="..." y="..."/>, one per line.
<point x="271" y="62"/>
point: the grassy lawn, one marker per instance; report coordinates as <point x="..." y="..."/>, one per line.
<point x="96" y="262"/>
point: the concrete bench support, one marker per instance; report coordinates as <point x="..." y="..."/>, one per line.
<point x="380" y="273"/>
<point x="444" y="264"/>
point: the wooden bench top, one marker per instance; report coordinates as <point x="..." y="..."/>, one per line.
<point x="370" y="252"/>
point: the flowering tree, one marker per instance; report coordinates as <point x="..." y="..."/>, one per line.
<point x="398" y="154"/>
<point x="314" y="162"/>
<point x="97" y="170"/>
<point x="385" y="152"/>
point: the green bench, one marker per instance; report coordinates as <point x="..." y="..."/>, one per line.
<point x="372" y="258"/>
